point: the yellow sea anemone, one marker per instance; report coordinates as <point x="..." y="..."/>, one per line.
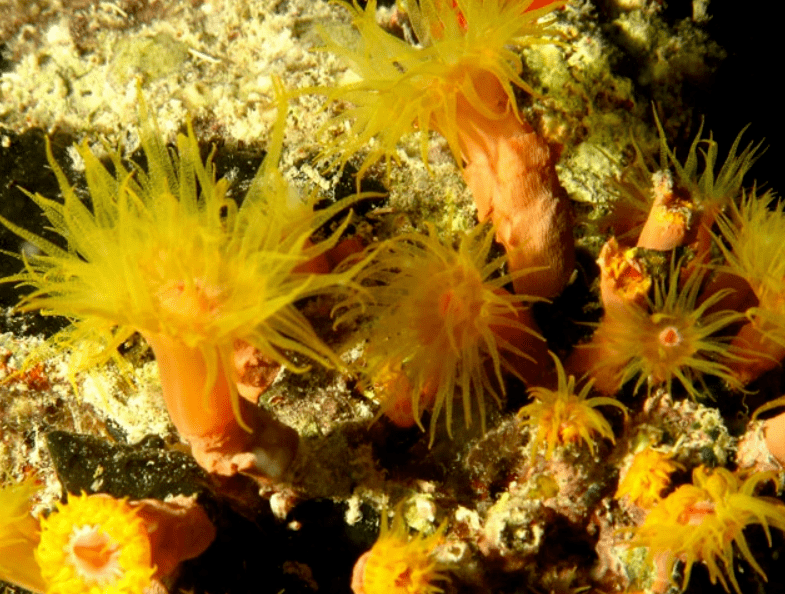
<point x="162" y="251"/>
<point x="398" y="563"/>
<point x="699" y="523"/>
<point x="19" y="537"/>
<point x="443" y="324"/>
<point x="94" y="544"/>
<point x="564" y="416"/>
<point x="464" y="48"/>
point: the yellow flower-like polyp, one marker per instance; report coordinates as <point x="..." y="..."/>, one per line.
<point x="95" y="544"/>
<point x="399" y="563"/>
<point x="19" y="536"/>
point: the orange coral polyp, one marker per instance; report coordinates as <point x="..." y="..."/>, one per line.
<point x="162" y="251"/>
<point x="672" y="337"/>
<point x="399" y="563"/>
<point x="95" y="544"/>
<point x="647" y="477"/>
<point x="19" y="537"/>
<point x="444" y="321"/>
<point x="701" y="522"/>
<point x="564" y="416"/>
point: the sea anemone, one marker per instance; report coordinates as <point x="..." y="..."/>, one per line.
<point x="443" y="323"/>
<point x="647" y="476"/>
<point x="699" y="523"/>
<point x="19" y="537"/>
<point x="95" y="544"/>
<point x="563" y="416"/>
<point x="162" y="251"/>
<point x="460" y="80"/>
<point x="398" y="563"/>
<point x="673" y="337"/>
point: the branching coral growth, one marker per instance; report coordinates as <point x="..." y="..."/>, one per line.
<point x="162" y="251"/>
<point x="445" y="324"/>
<point x="563" y="416"/>
<point x="700" y="523"/>
<point x="460" y="80"/>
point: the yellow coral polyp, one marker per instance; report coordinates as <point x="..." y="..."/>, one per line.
<point x="398" y="563"/>
<point x="701" y="522"/>
<point x="164" y="252"/>
<point x="673" y="338"/>
<point x="647" y="477"/>
<point x="753" y="243"/>
<point x="19" y="537"/>
<point x="403" y="87"/>
<point x="443" y="320"/>
<point x="95" y="544"/>
<point x="562" y="416"/>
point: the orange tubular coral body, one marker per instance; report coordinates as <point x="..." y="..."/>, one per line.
<point x="511" y="172"/>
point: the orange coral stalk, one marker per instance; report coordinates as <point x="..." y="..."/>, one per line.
<point x="263" y="447"/>
<point x="774" y="429"/>
<point x="761" y="341"/>
<point x="670" y="221"/>
<point x="511" y="172"/>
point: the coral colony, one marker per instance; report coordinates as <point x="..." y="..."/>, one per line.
<point x="441" y="330"/>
